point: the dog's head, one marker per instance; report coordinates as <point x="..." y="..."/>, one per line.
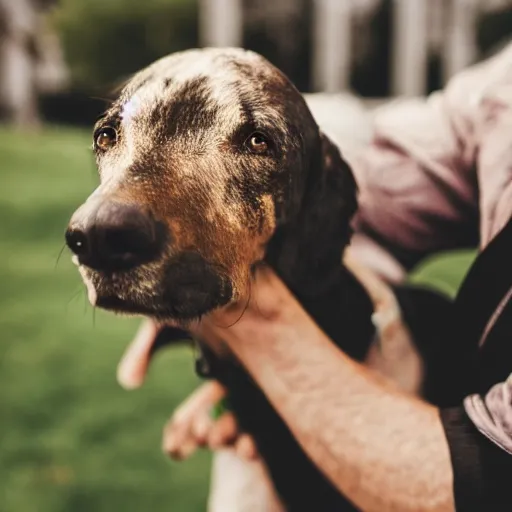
<point x="208" y="161"/>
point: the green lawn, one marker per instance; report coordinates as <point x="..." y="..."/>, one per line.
<point x="70" y="438"/>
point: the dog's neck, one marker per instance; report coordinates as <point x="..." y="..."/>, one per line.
<point x="343" y="311"/>
<point x="340" y="305"/>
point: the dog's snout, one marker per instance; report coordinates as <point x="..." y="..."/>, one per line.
<point x="116" y="237"/>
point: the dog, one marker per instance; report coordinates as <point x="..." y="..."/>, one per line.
<point x="211" y="163"/>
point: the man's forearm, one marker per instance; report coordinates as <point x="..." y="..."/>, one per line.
<point x="384" y="450"/>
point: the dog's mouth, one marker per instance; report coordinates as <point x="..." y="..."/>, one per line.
<point x="144" y="307"/>
<point x="184" y="288"/>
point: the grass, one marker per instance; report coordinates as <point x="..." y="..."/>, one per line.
<point x="70" y="438"/>
<point x="444" y="272"/>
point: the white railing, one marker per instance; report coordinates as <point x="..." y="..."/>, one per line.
<point x="221" y="25"/>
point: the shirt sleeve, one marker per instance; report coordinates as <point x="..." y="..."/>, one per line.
<point x="433" y="175"/>
<point x="492" y="414"/>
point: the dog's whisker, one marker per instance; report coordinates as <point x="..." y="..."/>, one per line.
<point x="253" y="274"/>
<point x="109" y="101"/>
<point x="74" y="295"/>
<point x="72" y="298"/>
<point x="86" y="303"/>
<point x="59" y="255"/>
<point x="245" y="307"/>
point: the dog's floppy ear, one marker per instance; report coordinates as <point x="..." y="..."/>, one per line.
<point x="309" y="247"/>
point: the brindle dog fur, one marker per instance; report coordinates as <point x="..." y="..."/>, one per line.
<point x="210" y="163"/>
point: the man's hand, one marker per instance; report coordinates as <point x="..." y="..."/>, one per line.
<point x="192" y="425"/>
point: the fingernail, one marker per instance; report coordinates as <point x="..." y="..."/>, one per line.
<point x="245" y="448"/>
<point x="201" y="428"/>
<point x="169" y="440"/>
<point x="187" y="449"/>
<point x="127" y="380"/>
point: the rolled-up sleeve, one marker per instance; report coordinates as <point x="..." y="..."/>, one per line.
<point x="433" y="175"/>
<point x="492" y="414"/>
<point x="417" y="184"/>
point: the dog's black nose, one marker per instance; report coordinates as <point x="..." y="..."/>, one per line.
<point x="116" y="237"/>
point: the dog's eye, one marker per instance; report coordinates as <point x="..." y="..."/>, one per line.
<point x="105" y="138"/>
<point x="257" y="143"/>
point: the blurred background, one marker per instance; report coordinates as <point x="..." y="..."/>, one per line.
<point x="70" y="438"/>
